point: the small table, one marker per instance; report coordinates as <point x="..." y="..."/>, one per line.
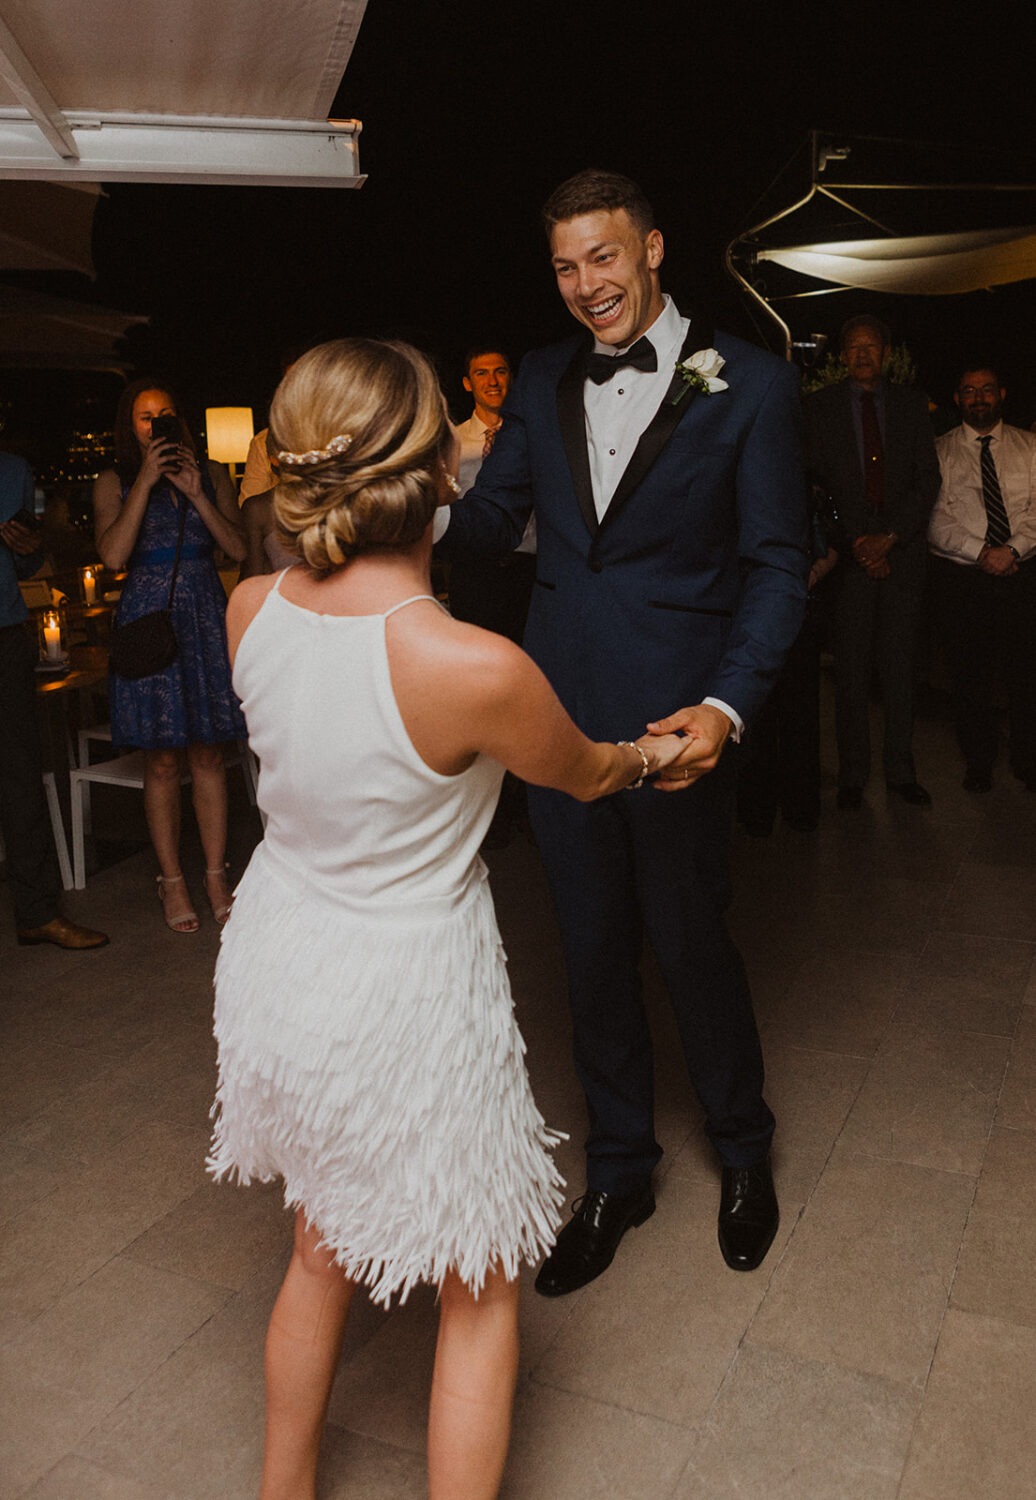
<point x="88" y="666"/>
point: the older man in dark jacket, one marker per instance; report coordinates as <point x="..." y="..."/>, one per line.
<point x="870" y="445"/>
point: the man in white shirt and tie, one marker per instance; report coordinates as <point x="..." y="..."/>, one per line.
<point x="491" y="592"/>
<point x="487" y="376"/>
<point x="982" y="537"/>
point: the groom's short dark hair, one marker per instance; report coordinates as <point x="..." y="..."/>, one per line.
<point x="592" y="191"/>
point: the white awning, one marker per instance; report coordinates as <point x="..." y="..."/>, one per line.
<point x="928" y="264"/>
<point x="188" y="91"/>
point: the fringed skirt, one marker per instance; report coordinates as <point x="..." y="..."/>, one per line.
<point x="374" y="1063"/>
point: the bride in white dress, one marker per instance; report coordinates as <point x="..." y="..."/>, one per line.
<point x="368" y="1052"/>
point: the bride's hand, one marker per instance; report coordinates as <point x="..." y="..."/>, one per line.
<point x="661" y="750"/>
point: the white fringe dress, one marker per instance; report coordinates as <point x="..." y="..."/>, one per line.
<point x="368" y="1051"/>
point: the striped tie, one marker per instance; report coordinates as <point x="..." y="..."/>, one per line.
<point x="997" y="526"/>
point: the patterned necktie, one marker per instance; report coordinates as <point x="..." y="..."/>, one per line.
<point x="873" y="453"/>
<point x="640" y="356"/>
<point x="998" y="528"/>
<point x="489" y="437"/>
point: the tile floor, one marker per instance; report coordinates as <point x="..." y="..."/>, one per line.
<point x="886" y="1349"/>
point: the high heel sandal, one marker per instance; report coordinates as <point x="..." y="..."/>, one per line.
<point x="221" y="913"/>
<point x="176" y="922"/>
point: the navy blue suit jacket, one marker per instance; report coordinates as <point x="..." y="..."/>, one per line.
<point x="693" y="584"/>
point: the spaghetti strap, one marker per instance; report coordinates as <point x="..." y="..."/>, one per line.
<point x="414" y="598"/>
<point x="277" y="583"/>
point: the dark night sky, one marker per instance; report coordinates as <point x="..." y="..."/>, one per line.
<point x="472" y="113"/>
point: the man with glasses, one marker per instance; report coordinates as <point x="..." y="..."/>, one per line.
<point x="982" y="536"/>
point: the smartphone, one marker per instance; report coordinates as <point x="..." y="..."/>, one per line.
<point x="27" y="519"/>
<point x="166" y="426"/>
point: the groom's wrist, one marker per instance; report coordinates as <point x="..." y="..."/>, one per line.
<point x="735" y="718"/>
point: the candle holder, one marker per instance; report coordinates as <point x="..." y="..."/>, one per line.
<point x="53" y="638"/>
<point x="88" y="583"/>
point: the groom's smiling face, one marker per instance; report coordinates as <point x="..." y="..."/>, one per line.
<point x="608" y="274"/>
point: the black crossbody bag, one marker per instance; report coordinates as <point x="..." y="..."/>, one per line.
<point x="149" y="644"/>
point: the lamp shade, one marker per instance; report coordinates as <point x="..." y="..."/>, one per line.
<point x="228" y="432"/>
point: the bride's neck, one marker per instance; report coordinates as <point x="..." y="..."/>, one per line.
<point x="377" y="579"/>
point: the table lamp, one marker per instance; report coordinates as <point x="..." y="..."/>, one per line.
<point x="228" y="432"/>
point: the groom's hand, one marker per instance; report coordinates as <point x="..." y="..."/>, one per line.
<point x="706" y="730"/>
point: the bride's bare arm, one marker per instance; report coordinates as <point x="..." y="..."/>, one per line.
<point x="464" y="691"/>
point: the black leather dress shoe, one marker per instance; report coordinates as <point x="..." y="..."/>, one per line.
<point x="850" y="798"/>
<point x="977" y="780"/>
<point x="748" y="1215"/>
<point x="910" y="791"/>
<point x="587" y="1244"/>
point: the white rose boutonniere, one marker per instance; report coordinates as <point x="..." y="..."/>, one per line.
<point x="700" y="373"/>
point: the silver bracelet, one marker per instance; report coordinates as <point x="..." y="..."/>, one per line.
<point x="629" y="745"/>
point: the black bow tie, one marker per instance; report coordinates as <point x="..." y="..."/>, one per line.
<point x="640" y="356"/>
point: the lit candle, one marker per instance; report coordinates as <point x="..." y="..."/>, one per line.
<point x="52" y="637"/>
<point x="89" y="586"/>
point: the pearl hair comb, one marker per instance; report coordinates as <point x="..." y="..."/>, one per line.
<point x="317" y="455"/>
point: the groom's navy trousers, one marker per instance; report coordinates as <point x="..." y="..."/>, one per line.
<point x="691" y="586"/>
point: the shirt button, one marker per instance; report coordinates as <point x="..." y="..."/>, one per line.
<point x="621" y="391"/>
<point x="611" y="452"/>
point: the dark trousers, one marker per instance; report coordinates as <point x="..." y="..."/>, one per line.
<point x="876" y="628"/>
<point x="987" y="626"/>
<point x="780" y="759"/>
<point x="32" y="866"/>
<point x="646" y="863"/>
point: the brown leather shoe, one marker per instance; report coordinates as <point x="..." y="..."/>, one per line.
<point x="63" y="934"/>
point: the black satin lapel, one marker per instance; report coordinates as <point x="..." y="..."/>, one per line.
<point x="662" y="425"/>
<point x="573" y="434"/>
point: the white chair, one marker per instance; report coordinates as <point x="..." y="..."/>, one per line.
<point x="128" y="770"/>
<point x="57" y="824"/>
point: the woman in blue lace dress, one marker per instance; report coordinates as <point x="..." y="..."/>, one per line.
<point x="188" y="710"/>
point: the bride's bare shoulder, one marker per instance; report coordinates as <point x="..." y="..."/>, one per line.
<point x="460" y="658"/>
<point x="244" y="604"/>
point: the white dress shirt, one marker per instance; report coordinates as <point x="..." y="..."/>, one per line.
<point x="618" y="411"/>
<point x="957" y="526"/>
<point x="472" y="435"/>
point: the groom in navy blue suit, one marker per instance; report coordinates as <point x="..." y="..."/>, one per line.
<point x="663" y="465"/>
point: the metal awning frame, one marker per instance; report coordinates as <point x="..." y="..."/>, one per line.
<point x="185" y="149"/>
<point x="822" y="152"/>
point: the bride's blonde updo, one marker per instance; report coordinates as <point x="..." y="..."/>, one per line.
<point x="359" y="427"/>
